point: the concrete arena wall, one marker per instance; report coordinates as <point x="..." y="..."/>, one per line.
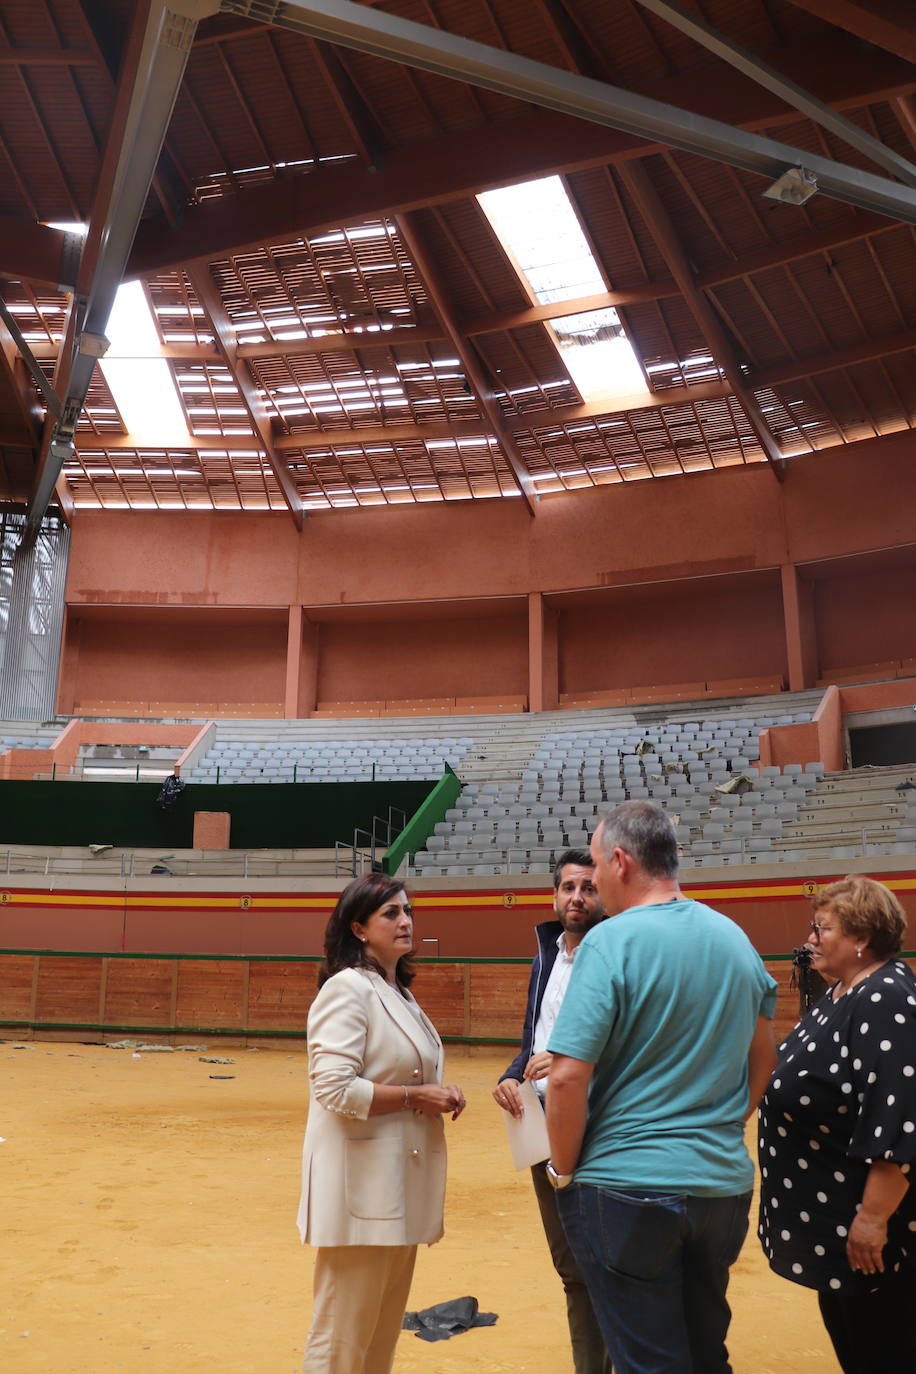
<point x="709" y="628"/>
<point x="211" y="961"/>
<point x="669" y="581"/>
<point x="424" y="658"/>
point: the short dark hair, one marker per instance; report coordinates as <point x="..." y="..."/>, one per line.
<point x="581" y="857"/>
<point x="644" y="830"/>
<point x="356" y="903"/>
<point x="867" y="910"/>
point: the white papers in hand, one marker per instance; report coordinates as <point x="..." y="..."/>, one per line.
<point x="528" y="1138"/>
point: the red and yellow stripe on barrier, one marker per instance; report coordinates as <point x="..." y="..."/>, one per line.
<point x="766" y="890"/>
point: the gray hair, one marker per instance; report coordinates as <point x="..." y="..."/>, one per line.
<point x="644" y="830"/>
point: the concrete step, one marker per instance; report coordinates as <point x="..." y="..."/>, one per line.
<point x="858" y="836"/>
<point x="867" y="814"/>
<point x="868" y="779"/>
<point x="854" y="792"/>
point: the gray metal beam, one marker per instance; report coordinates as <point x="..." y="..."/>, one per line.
<point x="166" y="44"/>
<point x="789" y="91"/>
<point x="28" y="357"/>
<point x="417" y="45"/>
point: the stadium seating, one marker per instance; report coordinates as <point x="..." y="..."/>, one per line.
<point x="287" y="759"/>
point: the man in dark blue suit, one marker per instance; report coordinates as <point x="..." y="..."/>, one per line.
<point x="578" y="908"/>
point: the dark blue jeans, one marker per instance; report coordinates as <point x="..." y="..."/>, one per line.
<point x="656" y="1265"/>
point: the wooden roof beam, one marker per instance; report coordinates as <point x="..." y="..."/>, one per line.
<point x="572" y="41"/>
<point x="471" y="428"/>
<point x="660" y="226"/>
<point x="796" y="370"/>
<point x="443" y="53"/>
<point x="884" y="346"/>
<point x="791" y="92"/>
<point x="304" y="442"/>
<point x="36" y="253"/>
<point x="457" y="165"/>
<point x="364" y="128"/>
<point x="889" y="24"/>
<point x="471" y="364"/>
<point x="211" y="302"/>
<point x="578" y="305"/>
<point x="349" y="341"/>
<point x="47" y="57"/>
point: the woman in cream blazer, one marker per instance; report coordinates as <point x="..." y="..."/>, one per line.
<point x="373" y="1163"/>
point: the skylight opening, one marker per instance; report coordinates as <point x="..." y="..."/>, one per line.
<point x="139" y="380"/>
<point x="538" y="228"/>
<point x="69" y="226"/>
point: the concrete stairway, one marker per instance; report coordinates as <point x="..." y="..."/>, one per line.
<point x="859" y="810"/>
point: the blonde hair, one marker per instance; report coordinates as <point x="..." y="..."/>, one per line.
<point x="868" y="910"/>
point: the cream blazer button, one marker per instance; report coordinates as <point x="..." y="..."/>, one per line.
<point x="415" y="1154"/>
<point x="415" y="1073"/>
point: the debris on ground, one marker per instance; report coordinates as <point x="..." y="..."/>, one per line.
<point x="214" y="1059"/>
<point x="140" y="1047"/>
<point x="447" y="1319"/>
<point x="738" y="782"/>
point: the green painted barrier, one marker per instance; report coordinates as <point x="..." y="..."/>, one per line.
<point x="279" y="815"/>
<point x="423" y="821"/>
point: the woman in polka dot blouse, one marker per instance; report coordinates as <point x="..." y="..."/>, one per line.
<point x="838" y="1135"/>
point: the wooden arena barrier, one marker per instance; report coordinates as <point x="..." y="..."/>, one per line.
<point x="745" y="686"/>
<point x="107" y="996"/>
<point x="490" y="706"/>
<point x="673" y="691"/>
<point x="421" y="706"/>
<point x="863" y="672"/>
<point x="581" y="700"/>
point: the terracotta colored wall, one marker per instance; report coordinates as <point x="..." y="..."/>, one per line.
<point x="818" y="740"/>
<point x="431" y="658"/>
<point x="705" y="524"/>
<point x="783" y="744"/>
<point x="865" y="618"/>
<point x="190" y="917"/>
<point x="674" y="527"/>
<point x="655" y="635"/>
<point x="829" y="721"/>
<point x="878" y="696"/>
<point x="120" y="662"/>
<point x="822" y="738"/>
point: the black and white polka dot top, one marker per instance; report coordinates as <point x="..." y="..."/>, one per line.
<point x="843" y="1094"/>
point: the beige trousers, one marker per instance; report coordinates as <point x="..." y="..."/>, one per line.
<point x="360" y="1297"/>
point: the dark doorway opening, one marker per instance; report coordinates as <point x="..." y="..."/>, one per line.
<point x="883" y="744"/>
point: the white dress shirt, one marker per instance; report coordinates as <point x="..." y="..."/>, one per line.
<point x="551" y="1003"/>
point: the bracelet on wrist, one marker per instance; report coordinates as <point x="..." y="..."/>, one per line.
<point x="406" y="1098"/>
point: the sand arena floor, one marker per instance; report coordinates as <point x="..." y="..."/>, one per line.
<point x="147" y="1217"/>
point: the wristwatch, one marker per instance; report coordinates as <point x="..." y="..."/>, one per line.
<point x="556" y="1180"/>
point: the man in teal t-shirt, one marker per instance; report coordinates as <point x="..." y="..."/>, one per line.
<point x="661" y="1050"/>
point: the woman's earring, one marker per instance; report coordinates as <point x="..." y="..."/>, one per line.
<point x="858" y="953"/>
